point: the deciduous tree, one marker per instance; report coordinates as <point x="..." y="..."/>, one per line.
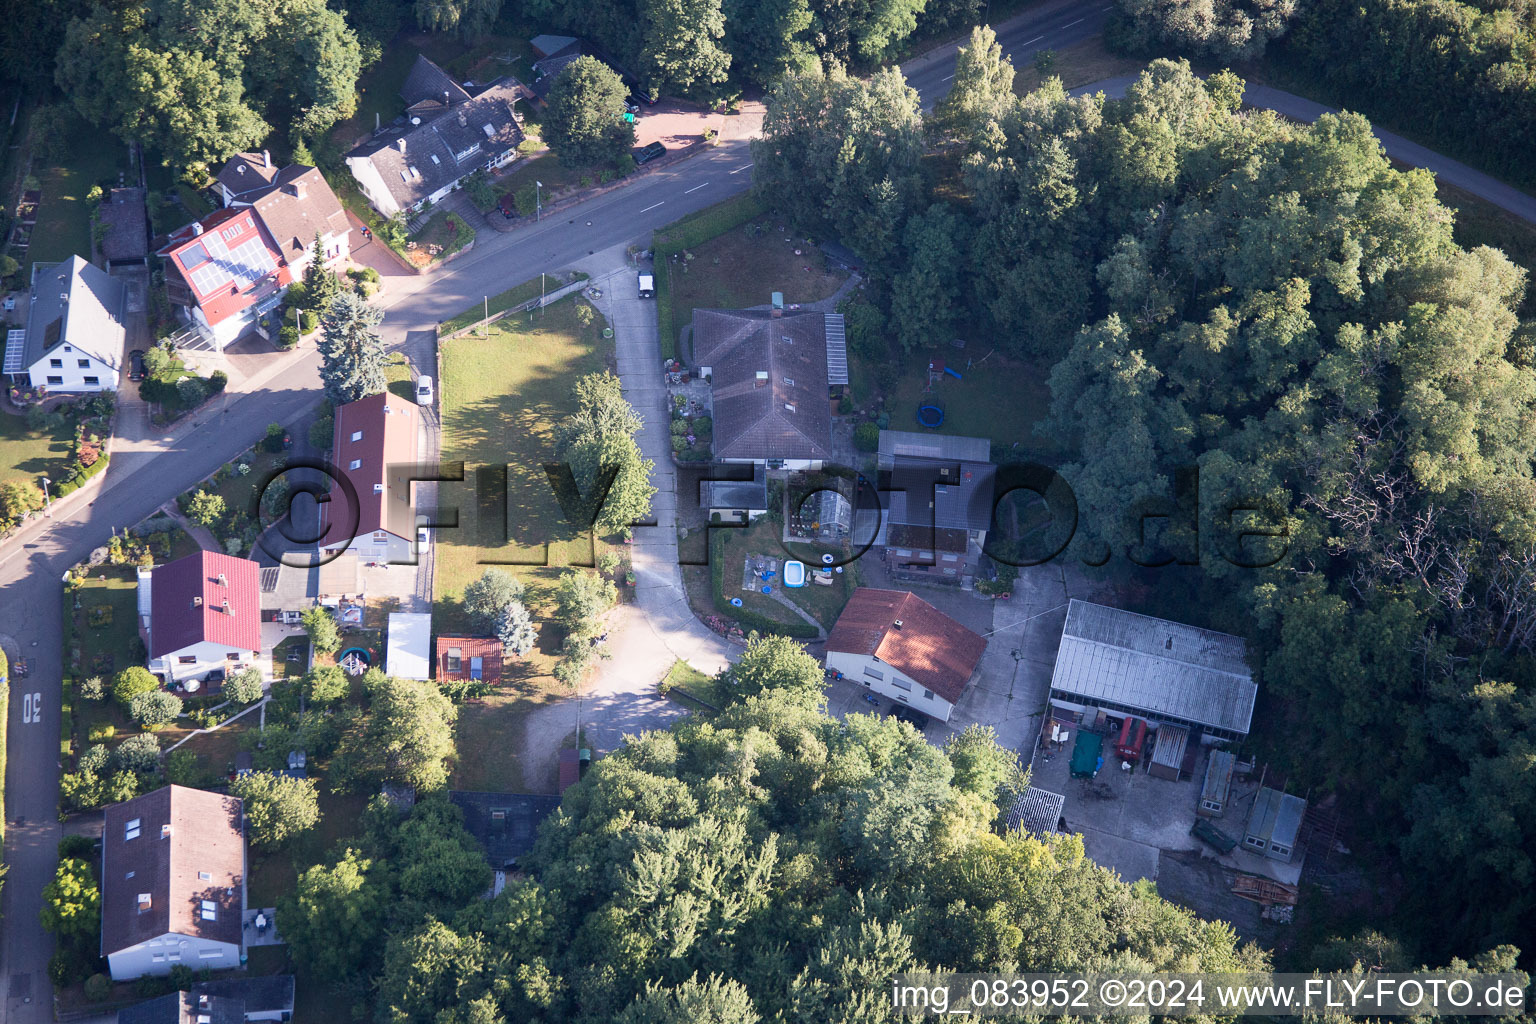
<point x="277" y="807"/>
<point x="584" y="120"/>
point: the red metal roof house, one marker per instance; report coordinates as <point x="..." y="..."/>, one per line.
<point x="374" y="446"/>
<point x="205" y="615"/>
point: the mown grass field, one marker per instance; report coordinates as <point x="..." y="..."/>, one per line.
<point x="27" y="454"/>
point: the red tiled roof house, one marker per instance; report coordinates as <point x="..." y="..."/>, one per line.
<point x="172" y="882"/>
<point x="204" y="614"/>
<point x="469" y="658"/>
<point x="904" y="648"/>
<point x="374" y="446"/>
<point x="227" y="273"/>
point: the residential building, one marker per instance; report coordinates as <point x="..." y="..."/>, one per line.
<point x="504" y="824"/>
<point x="233" y="1000"/>
<point x="184" y="1008"/>
<point x="300" y="208"/>
<point x="74" y="336"/>
<point x="736" y="501"/>
<point x="205" y="616"/>
<point x="172" y="882"/>
<point x="469" y="658"/>
<point x="448" y="134"/>
<point x="768" y="377"/>
<point x="1121" y="663"/>
<point x="246" y="176"/>
<point x="408" y="654"/>
<point x="375" y="447"/>
<point x="1274" y="824"/>
<point x="938" y="494"/>
<point x="226" y="273"/>
<point x="902" y="647"/>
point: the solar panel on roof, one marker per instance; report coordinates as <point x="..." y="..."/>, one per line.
<point x="242" y="266"/>
<point x="15" y="350"/>
<point x="194" y="256"/>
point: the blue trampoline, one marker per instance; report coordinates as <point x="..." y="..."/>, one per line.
<point x="930" y="416"/>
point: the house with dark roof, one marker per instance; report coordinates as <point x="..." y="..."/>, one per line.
<point x="74" y="336"/>
<point x="504" y="824"/>
<point x="204" y="616"/>
<point x="469" y="658"/>
<point x="736" y="501"/>
<point x="767" y="370"/>
<point x="184" y="1008"/>
<point x="938" y="494"/>
<point x="172" y="882"/>
<point x="448" y="133"/>
<point x="225" y="272"/>
<point x="374" y="445"/>
<point x="262" y="997"/>
<point x="245" y="176"/>
<point x="299" y="208"/>
<point x="902" y="647"/>
<point x="231" y="1000"/>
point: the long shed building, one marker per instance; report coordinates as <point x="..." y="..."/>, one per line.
<point x="1166" y="672"/>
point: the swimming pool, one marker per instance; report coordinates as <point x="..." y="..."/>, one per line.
<point x="794" y="574"/>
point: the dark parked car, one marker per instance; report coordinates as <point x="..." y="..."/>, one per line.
<point x="136" y="364"/>
<point x="905" y="714"/>
<point x="645" y="154"/>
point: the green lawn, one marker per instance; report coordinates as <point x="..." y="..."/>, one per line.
<point x="444" y="229"/>
<point x="500" y="398"/>
<point x="26" y="454"/>
<point x="489" y="746"/>
<point x="744" y="267"/>
<point x="546" y="168"/>
<point x="506" y="300"/>
<point x="398" y="373"/>
<point x="823" y="603"/>
<point x="999" y="399"/>
<point x="63" y="220"/>
<point x="104" y="648"/>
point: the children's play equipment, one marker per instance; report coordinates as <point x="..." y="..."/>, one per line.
<point x="930" y="416"/>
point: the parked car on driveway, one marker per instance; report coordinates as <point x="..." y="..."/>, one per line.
<point x="645" y="154"/>
<point x="423" y="390"/>
<point x="136" y="364"/>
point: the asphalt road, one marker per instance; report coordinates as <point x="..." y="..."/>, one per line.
<point x="136" y="483"/>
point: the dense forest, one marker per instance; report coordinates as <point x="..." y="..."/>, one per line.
<point x="769" y="863"/>
<point x="1458" y="74"/>
<point x="1277" y="306"/>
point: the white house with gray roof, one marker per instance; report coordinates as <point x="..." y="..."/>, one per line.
<point x="448" y="134"/>
<point x="74" y="336"/>
<point x="1164" y="672"/>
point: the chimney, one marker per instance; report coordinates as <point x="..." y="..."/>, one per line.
<point x="463" y="119"/>
<point x="266" y="159"/>
<point x="227" y="609"/>
<point x="445" y="98"/>
<point x="197" y="229"/>
<point x="223" y="582"/>
<point x="762" y="379"/>
<point x="897" y="623"/>
<point x="197" y="602"/>
<point x="401" y="144"/>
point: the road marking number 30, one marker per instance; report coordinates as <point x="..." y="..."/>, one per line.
<point x="32" y="708"/>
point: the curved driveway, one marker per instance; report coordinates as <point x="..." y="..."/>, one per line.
<point x="286" y="388"/>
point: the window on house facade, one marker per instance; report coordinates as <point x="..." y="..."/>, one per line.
<point x="210" y="954"/>
<point x="874" y="673"/>
<point x="131" y="829"/>
<point x="93" y="381"/>
<point x="55" y="380"/>
<point x="188" y="659"/>
<point x="210" y="911"/>
<point x="56" y="364"/>
<point x="84" y="364"/>
<point x="927" y="695"/>
<point x="900" y="683"/>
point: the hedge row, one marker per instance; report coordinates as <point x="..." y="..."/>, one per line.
<point x="5" y="694"/>
<point x="77" y="481"/>
<point x="748" y="619"/>
<point x="695" y="229"/>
